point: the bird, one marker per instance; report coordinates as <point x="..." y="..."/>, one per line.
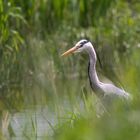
<point x="106" y="92"/>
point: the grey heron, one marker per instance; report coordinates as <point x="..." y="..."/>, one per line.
<point x="106" y="92"/>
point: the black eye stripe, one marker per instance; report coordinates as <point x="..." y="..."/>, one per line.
<point x="82" y="43"/>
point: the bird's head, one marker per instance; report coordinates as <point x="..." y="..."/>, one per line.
<point x="81" y="46"/>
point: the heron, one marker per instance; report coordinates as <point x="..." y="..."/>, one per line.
<point x="106" y="92"/>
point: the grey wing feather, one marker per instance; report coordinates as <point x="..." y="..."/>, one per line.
<point x="111" y="90"/>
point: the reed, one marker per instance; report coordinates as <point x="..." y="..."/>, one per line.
<point x="33" y="34"/>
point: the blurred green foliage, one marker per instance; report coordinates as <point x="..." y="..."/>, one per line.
<point x="34" y="33"/>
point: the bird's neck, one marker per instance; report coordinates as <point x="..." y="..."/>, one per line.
<point x="93" y="78"/>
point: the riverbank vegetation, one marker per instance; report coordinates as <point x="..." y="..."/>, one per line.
<point x="33" y="34"/>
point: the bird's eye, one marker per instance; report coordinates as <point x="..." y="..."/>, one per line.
<point x="82" y="43"/>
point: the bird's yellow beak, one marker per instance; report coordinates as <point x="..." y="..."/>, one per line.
<point x="73" y="49"/>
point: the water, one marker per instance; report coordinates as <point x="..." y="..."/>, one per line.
<point x="29" y="124"/>
<point x="40" y="122"/>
